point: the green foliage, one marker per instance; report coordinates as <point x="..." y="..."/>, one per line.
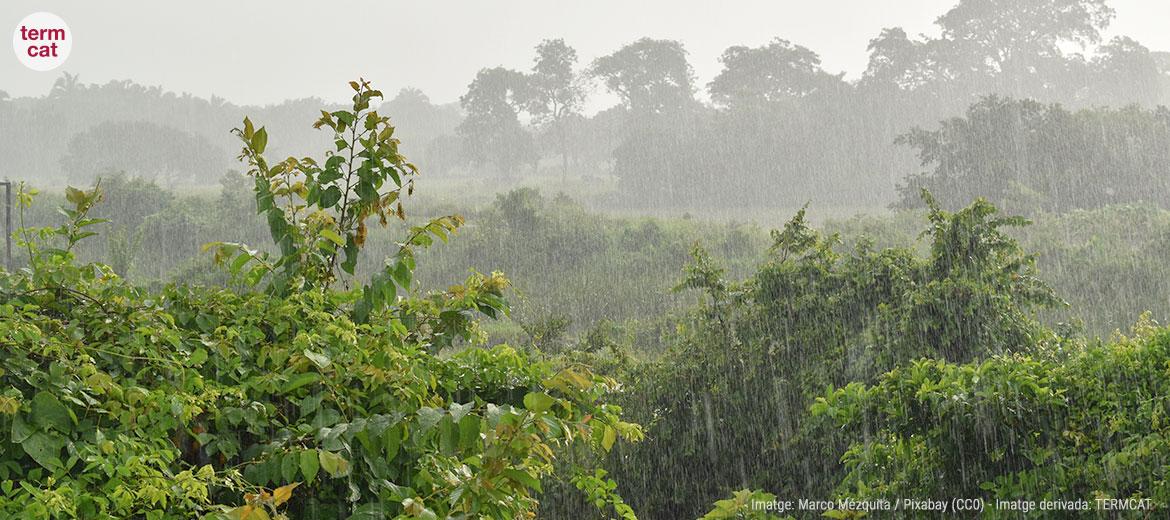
<point x="185" y="402"/>
<point x="1107" y="263"/>
<point x="979" y="285"/>
<point x="317" y="210"/>
<point x="1077" y="424"/>
<point x="563" y="260"/>
<point x="602" y="492"/>
<point x="744" y="504"/>
<point x="730" y="400"/>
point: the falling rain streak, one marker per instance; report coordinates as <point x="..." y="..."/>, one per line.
<point x="597" y="286"/>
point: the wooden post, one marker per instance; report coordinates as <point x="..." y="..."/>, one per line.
<point x="7" y="225"/>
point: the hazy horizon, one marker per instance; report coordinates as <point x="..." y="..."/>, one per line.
<point x="249" y="54"/>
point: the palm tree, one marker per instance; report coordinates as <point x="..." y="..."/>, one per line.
<point x="65" y="85"/>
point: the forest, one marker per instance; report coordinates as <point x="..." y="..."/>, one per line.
<point x="782" y="294"/>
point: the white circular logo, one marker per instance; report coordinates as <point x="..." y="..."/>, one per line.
<point x="42" y="41"/>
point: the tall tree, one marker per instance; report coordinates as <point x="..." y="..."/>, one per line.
<point x="1019" y="42"/>
<point x="650" y="76"/>
<point x="1036" y="157"/>
<point x="65" y="85"/>
<point x="896" y="60"/>
<point x="1125" y="69"/>
<point x="759" y="75"/>
<point x="556" y="93"/>
<point x="492" y="133"/>
<point x="1013" y="47"/>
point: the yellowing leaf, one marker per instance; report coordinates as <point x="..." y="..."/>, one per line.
<point x="249" y="512"/>
<point x="281" y="494"/>
<point x="608" y="436"/>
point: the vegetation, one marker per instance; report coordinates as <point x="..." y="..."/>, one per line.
<point x="294" y="399"/>
<point x="164" y="353"/>
<point x="687" y="375"/>
<point x="817" y="318"/>
<point x="1035" y="158"/>
<point x="1055" y="424"/>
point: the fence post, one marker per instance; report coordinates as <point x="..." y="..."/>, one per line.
<point x="7" y="225"/>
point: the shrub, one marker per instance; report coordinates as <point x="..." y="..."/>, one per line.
<point x="292" y="397"/>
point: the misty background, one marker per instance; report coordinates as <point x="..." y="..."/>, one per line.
<point x="575" y="124"/>
<point x="651" y="107"/>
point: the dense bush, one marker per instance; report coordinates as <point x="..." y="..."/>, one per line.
<point x="1059" y="423"/>
<point x="288" y="398"/>
<point x="1107" y="263"/>
<point x="727" y="407"/>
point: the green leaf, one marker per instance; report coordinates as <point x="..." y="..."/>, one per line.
<point x="469" y="429"/>
<point x="351" y="255"/>
<point x="523" y="478"/>
<point x="198" y="357"/>
<point x="20" y="429"/>
<point x="288" y="467"/>
<point x="392" y="439"/>
<point x="260" y="140"/>
<point x="460" y="410"/>
<point x="538" y="402"/>
<point x="333" y="464"/>
<point x="448" y="436"/>
<point x="309" y="465"/>
<point x="428" y="417"/>
<point x="74" y="195"/>
<point x="321" y="360"/>
<point x="44" y="448"/>
<point x="608" y="437"/>
<point x="48" y="412"/>
<point x="333" y="237"/>
<point x="329" y="197"/>
<point x="302" y="379"/>
<point x="402" y="275"/>
<point x="239" y="262"/>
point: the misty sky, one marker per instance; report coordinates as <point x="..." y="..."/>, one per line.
<point x="260" y="52"/>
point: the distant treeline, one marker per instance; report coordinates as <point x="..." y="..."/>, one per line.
<point x="773" y="130"/>
<point x="1107" y="263"/>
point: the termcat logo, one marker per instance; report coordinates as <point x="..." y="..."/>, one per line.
<point x="42" y="41"/>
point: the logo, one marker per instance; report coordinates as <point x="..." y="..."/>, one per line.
<point x="42" y="41"/>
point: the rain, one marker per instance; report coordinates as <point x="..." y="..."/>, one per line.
<point x="659" y="261"/>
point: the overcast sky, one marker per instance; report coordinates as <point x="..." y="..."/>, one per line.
<point x="259" y="52"/>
